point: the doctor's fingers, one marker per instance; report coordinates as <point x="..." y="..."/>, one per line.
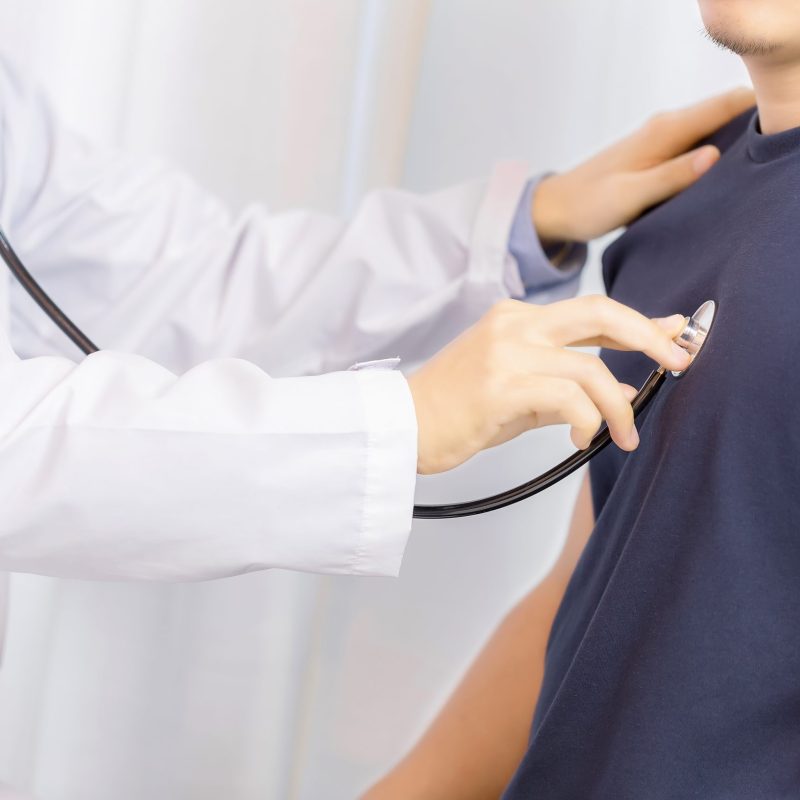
<point x="671" y="133"/>
<point x="611" y="398"/>
<point x="649" y="187"/>
<point x="541" y="419"/>
<point x="554" y="401"/>
<point x="599" y="321"/>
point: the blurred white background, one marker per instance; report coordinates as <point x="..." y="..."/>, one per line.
<point x="294" y="686"/>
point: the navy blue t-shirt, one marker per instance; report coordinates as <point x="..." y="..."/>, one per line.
<point x="673" y="668"/>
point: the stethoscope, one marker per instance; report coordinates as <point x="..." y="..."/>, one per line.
<point x="692" y="339"/>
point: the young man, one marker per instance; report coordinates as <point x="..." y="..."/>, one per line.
<point x="660" y="658"/>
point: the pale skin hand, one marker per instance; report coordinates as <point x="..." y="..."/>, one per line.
<point x="512" y="372"/>
<point x="642" y="170"/>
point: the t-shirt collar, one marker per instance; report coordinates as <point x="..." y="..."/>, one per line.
<point x="763" y="148"/>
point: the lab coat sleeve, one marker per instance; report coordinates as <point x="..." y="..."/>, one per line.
<point x="185" y="463"/>
<point x="149" y="262"/>
<point x="115" y="468"/>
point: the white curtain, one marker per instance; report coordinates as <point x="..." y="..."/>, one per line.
<point x="280" y="685"/>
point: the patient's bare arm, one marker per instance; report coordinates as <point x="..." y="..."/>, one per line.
<point x="473" y="747"/>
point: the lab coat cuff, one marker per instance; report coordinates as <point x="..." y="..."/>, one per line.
<point x="490" y="260"/>
<point x="550" y="272"/>
<point x="390" y="473"/>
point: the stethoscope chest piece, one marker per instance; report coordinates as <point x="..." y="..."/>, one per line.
<point x="694" y="335"/>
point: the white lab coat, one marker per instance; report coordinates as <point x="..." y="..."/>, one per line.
<point x="206" y="440"/>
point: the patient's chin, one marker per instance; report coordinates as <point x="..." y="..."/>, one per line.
<point x="747" y="46"/>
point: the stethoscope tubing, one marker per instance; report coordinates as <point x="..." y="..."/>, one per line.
<point x="546" y="479"/>
<point x="43" y="300"/>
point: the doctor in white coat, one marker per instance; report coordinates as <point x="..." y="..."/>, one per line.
<point x="223" y="430"/>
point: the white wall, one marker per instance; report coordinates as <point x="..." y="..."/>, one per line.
<point x="279" y="685"/>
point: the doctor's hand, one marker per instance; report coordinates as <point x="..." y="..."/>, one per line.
<point x="512" y="372"/>
<point x="644" y="169"/>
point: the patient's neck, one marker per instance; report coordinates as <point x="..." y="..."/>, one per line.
<point x="777" y="86"/>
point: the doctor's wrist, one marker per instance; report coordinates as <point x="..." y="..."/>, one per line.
<point x="551" y="217"/>
<point x="553" y="214"/>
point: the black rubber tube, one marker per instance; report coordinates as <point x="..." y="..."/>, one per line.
<point x="43" y="300"/>
<point x="547" y="479"/>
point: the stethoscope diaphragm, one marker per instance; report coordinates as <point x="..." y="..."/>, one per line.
<point x="695" y="333"/>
